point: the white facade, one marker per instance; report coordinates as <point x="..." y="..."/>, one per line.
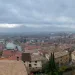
<point x="73" y="56"/>
<point x="34" y="65"/>
<point x="10" y="45"/>
<point x="2" y="41"/>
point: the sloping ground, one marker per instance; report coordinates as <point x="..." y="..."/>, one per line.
<point x="9" y="67"/>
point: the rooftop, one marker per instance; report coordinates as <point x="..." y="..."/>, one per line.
<point x="60" y="54"/>
<point x="10" y="45"/>
<point x="9" y="67"/>
<point x="37" y="57"/>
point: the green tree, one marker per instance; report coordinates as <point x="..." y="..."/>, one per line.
<point x="51" y="67"/>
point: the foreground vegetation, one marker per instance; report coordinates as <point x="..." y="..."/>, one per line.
<point x="51" y="68"/>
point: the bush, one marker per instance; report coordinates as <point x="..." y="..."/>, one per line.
<point x="63" y="68"/>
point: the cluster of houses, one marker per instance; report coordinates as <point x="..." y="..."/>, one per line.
<point x="35" y="58"/>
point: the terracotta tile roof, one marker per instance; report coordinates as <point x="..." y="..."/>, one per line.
<point x="37" y="57"/>
<point x="7" y="53"/>
<point x="60" y="54"/>
<point x="8" y="67"/>
<point x="14" y="58"/>
<point x="31" y="51"/>
<point x="32" y="47"/>
<point x="3" y="58"/>
<point x="11" y="54"/>
<point x="65" y="46"/>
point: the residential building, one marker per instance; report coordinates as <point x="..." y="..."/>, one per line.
<point x="10" y="46"/>
<point x="8" y="67"/>
<point x="12" y="55"/>
<point x="2" y="41"/>
<point x="33" y="61"/>
<point x="73" y="56"/>
<point x="61" y="58"/>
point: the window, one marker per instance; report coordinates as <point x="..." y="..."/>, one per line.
<point x="30" y="65"/>
<point x="30" y="61"/>
<point x="35" y="61"/>
<point x="35" y="64"/>
<point x="24" y="61"/>
<point x="17" y="58"/>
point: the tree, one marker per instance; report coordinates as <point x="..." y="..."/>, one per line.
<point x="1" y="52"/>
<point x="51" y="67"/>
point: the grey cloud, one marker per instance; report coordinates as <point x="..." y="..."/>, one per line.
<point x="37" y="12"/>
<point x="34" y="10"/>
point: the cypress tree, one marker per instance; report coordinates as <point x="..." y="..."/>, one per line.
<point x="51" y="67"/>
<point x="54" y="64"/>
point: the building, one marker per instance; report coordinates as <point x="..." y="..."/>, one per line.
<point x="12" y="55"/>
<point x="73" y="56"/>
<point x="10" y="46"/>
<point x="61" y="58"/>
<point x="1" y="47"/>
<point x="33" y="61"/>
<point x="8" y="67"/>
<point x="2" y="41"/>
<point x="19" y="48"/>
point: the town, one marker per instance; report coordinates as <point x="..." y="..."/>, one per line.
<point x="37" y="37"/>
<point x="27" y="54"/>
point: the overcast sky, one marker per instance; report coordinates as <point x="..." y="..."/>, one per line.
<point x="37" y="15"/>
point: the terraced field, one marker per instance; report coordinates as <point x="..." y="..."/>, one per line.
<point x="9" y="67"/>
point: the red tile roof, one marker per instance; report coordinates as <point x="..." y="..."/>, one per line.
<point x="32" y="47"/>
<point x="7" y="53"/>
<point x="12" y="55"/>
